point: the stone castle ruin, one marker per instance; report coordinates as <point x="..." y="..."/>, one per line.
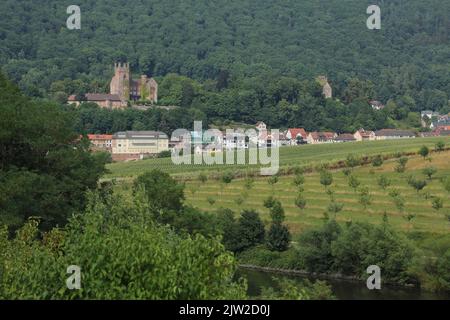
<point x="327" y="91"/>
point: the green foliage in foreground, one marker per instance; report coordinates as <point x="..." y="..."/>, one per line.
<point x="122" y="253"/>
<point x="44" y="168"/>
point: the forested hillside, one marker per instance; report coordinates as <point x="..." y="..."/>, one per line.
<point x="246" y="45"/>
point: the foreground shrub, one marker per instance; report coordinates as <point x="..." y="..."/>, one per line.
<point x="122" y="253"/>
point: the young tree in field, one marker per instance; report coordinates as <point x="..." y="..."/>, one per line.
<point x="226" y="178"/>
<point x="272" y="181"/>
<point x="202" y="178"/>
<point x="277" y="212"/>
<point x="299" y="180"/>
<point x="440" y="146"/>
<point x="211" y="200"/>
<point x="424" y="151"/>
<point x="330" y="192"/>
<point x="383" y="182"/>
<point x="300" y="202"/>
<point x="397" y="199"/>
<point x="269" y="202"/>
<point x="326" y="178"/>
<point x="377" y="161"/>
<point x="347" y="172"/>
<point x="364" y="197"/>
<point x="401" y="165"/>
<point x="239" y="200"/>
<point x="353" y="182"/>
<point x="429" y="172"/>
<point x="352" y="161"/>
<point x="335" y="207"/>
<point x="417" y="184"/>
<point x="248" y="184"/>
<point x="437" y="203"/>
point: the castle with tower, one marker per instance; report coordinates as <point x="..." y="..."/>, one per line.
<point x="128" y="89"/>
<point x="123" y="89"/>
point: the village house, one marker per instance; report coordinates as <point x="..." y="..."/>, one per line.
<point x="101" y="142"/>
<point x="385" y="134"/>
<point x="363" y="135"/>
<point x="135" y="145"/>
<point x="261" y="126"/>
<point x="321" y="137"/>
<point x="442" y="121"/>
<point x="345" y="137"/>
<point x="297" y="136"/>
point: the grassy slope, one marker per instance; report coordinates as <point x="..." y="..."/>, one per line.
<point x="289" y="156"/>
<point x="427" y="219"/>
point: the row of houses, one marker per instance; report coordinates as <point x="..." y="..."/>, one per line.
<point x="299" y="136"/>
<point x="433" y="120"/>
<point x="135" y="145"/>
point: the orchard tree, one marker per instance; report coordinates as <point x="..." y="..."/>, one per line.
<point x="417" y="184"/>
<point x="326" y="178"/>
<point x="364" y="197"/>
<point x="437" y="203"/>
<point x="352" y="161"/>
<point x="377" y="161"/>
<point x="383" y="182"/>
<point x="424" y="151"/>
<point x="335" y="207"/>
<point x="300" y="201"/>
<point x="401" y="165"/>
<point x="429" y="172"/>
<point x="440" y="146"/>
<point x="353" y="182"/>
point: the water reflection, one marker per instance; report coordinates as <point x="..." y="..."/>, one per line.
<point x="342" y="289"/>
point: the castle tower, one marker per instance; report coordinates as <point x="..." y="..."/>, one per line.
<point x="327" y="91"/>
<point x="120" y="83"/>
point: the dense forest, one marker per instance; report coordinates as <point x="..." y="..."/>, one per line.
<point x="243" y="60"/>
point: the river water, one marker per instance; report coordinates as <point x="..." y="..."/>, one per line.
<point x="342" y="289"/>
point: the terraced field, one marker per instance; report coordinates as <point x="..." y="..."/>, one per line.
<point x="237" y="197"/>
<point x="214" y="194"/>
<point x="289" y="156"/>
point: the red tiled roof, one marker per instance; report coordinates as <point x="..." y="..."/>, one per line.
<point x="298" y="131"/>
<point x="327" y="135"/>
<point x="100" y="136"/>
